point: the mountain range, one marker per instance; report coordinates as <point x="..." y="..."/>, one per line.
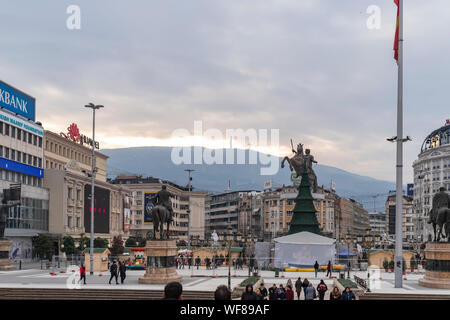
<point x="156" y="162"/>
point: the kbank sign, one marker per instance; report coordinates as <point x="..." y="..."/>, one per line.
<point x="16" y="101"/>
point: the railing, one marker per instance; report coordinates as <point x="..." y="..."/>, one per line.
<point x="361" y="282"/>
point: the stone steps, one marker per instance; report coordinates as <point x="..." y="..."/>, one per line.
<point x="94" y="294"/>
<point x="403" y="296"/>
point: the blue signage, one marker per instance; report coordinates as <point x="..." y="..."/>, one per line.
<point x="16" y="101"/>
<point x="20" y="167"/>
<point x="410" y="189"/>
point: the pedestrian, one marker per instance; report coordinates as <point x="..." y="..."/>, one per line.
<point x="305" y="286"/>
<point x="251" y="264"/>
<point x="348" y="294"/>
<point x="273" y="292"/>
<point x="329" y="268"/>
<point x="176" y="262"/>
<point x="263" y="291"/>
<point x="249" y="294"/>
<point x="197" y="262"/>
<point x="189" y="262"/>
<point x="316" y="268"/>
<point x="289" y="283"/>
<point x="259" y="294"/>
<point x="173" y="291"/>
<point x="122" y="272"/>
<point x="281" y="294"/>
<point x="222" y="293"/>
<point x="335" y="294"/>
<point x="298" y="287"/>
<point x="82" y="274"/>
<point x="321" y="289"/>
<point x="113" y="271"/>
<point x="310" y="292"/>
<point x="289" y="293"/>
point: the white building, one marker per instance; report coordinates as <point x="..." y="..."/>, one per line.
<point x="431" y="171"/>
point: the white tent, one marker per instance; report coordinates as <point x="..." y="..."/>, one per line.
<point x="303" y="249"/>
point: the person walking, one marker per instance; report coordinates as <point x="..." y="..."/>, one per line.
<point x="289" y="283"/>
<point x="335" y="294"/>
<point x="113" y="271"/>
<point x="310" y="292"/>
<point x="263" y="291"/>
<point x="289" y="293"/>
<point x="122" y="272"/>
<point x="305" y="286"/>
<point x="273" y="292"/>
<point x="348" y="294"/>
<point x="197" y="262"/>
<point x="298" y="287"/>
<point x="316" y="268"/>
<point x="322" y="289"/>
<point x="329" y="268"/>
<point x="82" y="274"/>
<point x="249" y="294"/>
<point x="189" y="262"/>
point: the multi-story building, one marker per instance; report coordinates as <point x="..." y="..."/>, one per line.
<point x="353" y="219"/>
<point x="279" y="207"/>
<point x="251" y="214"/>
<point x="431" y="171"/>
<point x="68" y="167"/>
<point x="21" y="164"/>
<point x="361" y="224"/>
<point x="377" y="222"/>
<point x="408" y="218"/>
<point x="144" y="194"/>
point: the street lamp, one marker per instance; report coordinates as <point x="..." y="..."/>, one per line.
<point x="228" y="236"/>
<point x="189" y="206"/>
<point x="91" y="253"/>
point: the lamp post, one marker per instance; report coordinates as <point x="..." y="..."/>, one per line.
<point x="189" y="206"/>
<point x="91" y="253"/>
<point x="229" y="235"/>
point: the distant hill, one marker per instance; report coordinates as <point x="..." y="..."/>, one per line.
<point x="156" y="162"/>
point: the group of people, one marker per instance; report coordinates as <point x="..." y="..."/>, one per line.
<point x="329" y="268"/>
<point x="114" y="269"/>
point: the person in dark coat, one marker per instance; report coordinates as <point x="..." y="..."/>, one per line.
<point x="249" y="294"/>
<point x="273" y="292"/>
<point x="113" y="271"/>
<point x="298" y="287"/>
<point x="122" y="272"/>
<point x="305" y="286"/>
<point x="348" y="294"/>
<point x="329" y="268"/>
<point x="335" y="294"/>
<point x="281" y="294"/>
<point x="263" y="291"/>
<point x="321" y="289"/>
<point x="316" y="268"/>
<point x="197" y="262"/>
<point x="289" y="293"/>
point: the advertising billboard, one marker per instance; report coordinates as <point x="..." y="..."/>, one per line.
<point x="101" y="209"/>
<point x="410" y="190"/>
<point x="149" y="203"/>
<point x="17" y="101"/>
<point x="126" y="213"/>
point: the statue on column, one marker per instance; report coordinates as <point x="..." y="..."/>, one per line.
<point x="440" y="215"/>
<point x="299" y="162"/>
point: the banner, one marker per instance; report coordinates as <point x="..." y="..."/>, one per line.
<point x="149" y="203"/>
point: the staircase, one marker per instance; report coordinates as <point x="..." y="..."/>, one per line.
<point x="403" y="296"/>
<point x="94" y="294"/>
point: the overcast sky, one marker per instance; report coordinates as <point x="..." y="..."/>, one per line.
<point x="310" y="68"/>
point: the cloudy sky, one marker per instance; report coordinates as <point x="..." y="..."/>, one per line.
<point x="310" y="68"/>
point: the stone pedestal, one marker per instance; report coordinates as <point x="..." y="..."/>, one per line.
<point x="437" y="266"/>
<point x="5" y="263"/>
<point x="160" y="257"/>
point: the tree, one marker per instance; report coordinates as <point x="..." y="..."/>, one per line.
<point x="182" y="243"/>
<point x="385" y="264"/>
<point x="131" y="242"/>
<point x="117" y="246"/>
<point x="84" y="242"/>
<point x="69" y="245"/>
<point x="43" y="246"/>
<point x="100" y="243"/>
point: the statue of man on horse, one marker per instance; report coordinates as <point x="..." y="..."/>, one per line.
<point x="298" y="163"/>
<point x="440" y="215"/>
<point x="162" y="213"/>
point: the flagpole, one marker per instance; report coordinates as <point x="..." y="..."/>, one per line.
<point x="399" y="168"/>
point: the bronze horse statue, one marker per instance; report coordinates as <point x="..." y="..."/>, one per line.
<point x="440" y="215"/>
<point x="443" y="222"/>
<point x="161" y="216"/>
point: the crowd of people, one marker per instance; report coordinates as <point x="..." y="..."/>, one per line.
<point x="116" y="271"/>
<point x="173" y="291"/>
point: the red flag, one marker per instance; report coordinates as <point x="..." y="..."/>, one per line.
<point x="396" y="31"/>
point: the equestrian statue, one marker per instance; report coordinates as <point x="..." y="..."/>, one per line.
<point x="162" y="213"/>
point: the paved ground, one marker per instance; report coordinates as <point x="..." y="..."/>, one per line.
<point x="202" y="280"/>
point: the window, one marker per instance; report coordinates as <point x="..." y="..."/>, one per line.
<point x="30" y="159"/>
<point x="35" y="161"/>
<point x="40" y="163"/>
<point x="13" y="132"/>
<point x="13" y="155"/>
<point x="6" y="153"/>
<point x="46" y="145"/>
<point x="19" y="156"/>
<point x="69" y="193"/>
<point x="69" y="221"/>
<point x="1" y="127"/>
<point x="6" y="129"/>
<point x="1" y="151"/>
<point x="30" y="138"/>
<point x="78" y="194"/>
<point x="24" y="179"/>
<point x="24" y="138"/>
<point x="24" y="158"/>
<point x="35" y="140"/>
<point x="46" y="164"/>
<point x="6" y="175"/>
<point x="19" y="134"/>
<point x="78" y="222"/>
<point x="40" y="142"/>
